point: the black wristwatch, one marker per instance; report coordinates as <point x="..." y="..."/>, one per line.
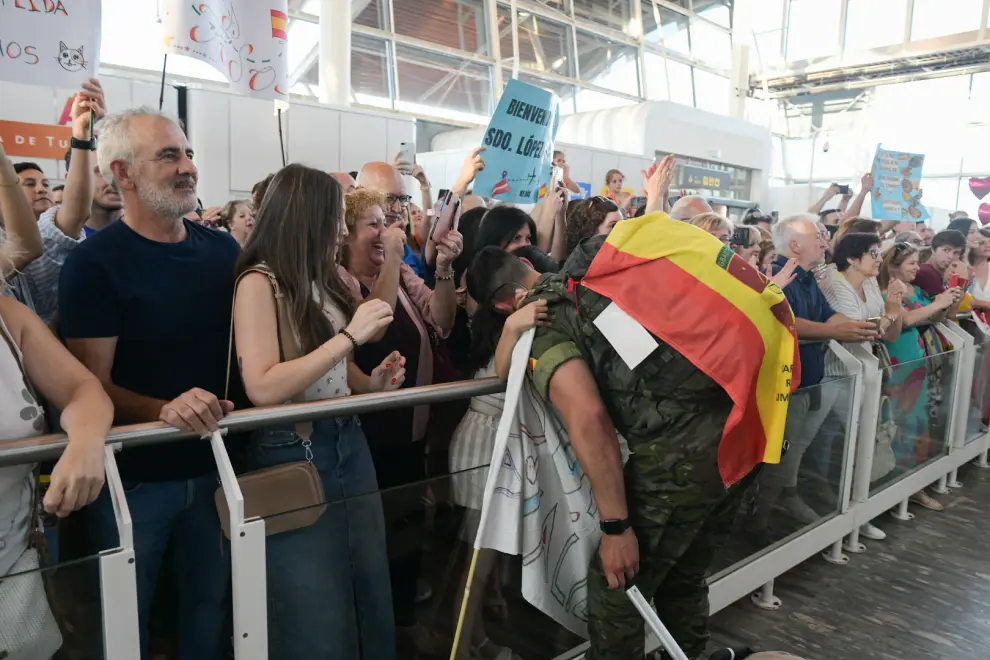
<point x="88" y="145"/>
<point x="614" y="526"/>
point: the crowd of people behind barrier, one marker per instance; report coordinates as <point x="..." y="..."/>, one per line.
<point x="327" y="285"/>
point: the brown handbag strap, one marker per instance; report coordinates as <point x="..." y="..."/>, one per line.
<point x="288" y="345"/>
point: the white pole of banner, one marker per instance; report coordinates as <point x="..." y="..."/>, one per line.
<point x="654" y="623"/>
<point x="510" y="412"/>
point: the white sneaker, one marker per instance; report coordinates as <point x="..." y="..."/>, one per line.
<point x="871" y="532"/>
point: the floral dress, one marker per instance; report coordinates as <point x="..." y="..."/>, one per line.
<point x="906" y="384"/>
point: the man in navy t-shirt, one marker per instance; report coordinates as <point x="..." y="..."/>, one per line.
<point x="145" y="304"/>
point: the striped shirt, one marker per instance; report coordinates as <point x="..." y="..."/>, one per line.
<point x="37" y="284"/>
<point x="845" y="300"/>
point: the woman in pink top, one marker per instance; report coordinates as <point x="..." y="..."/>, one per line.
<point x="373" y="268"/>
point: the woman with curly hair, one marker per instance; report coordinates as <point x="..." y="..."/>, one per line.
<point x="594" y="216"/>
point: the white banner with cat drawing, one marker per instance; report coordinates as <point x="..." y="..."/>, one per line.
<point x="538" y="501"/>
<point x="55" y="43"/>
<point x="245" y="40"/>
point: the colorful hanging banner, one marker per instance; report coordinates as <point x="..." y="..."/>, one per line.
<point x="245" y="40"/>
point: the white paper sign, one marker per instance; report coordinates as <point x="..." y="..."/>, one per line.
<point x="55" y="43"/>
<point x="245" y="40"/>
<point x="630" y="340"/>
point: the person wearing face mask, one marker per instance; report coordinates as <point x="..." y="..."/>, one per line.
<point x="237" y="217"/>
<point x="797" y="238"/>
<point x="914" y="371"/>
<point x="851" y="289"/>
<point x="372" y="266"/>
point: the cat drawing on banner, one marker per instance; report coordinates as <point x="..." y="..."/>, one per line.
<point x="70" y="59"/>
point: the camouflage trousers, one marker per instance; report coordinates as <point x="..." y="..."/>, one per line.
<point x="681" y="515"/>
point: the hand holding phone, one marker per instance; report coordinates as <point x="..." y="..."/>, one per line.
<point x="406" y="158"/>
<point x="445" y="219"/>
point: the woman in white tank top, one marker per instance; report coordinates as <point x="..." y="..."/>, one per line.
<point x="32" y="359"/>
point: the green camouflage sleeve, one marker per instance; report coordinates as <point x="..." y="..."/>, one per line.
<point x="554" y="344"/>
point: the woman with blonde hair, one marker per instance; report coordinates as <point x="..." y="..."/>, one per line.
<point x="715" y="224"/>
<point x="237" y="217"/>
<point x="373" y="268"/>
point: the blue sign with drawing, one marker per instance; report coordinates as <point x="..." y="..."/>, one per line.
<point x="896" y="190"/>
<point x="519" y="145"/>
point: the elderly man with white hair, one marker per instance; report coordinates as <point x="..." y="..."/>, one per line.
<point x="689" y="206"/>
<point x="145" y="304"/>
<point x="797" y="238"/>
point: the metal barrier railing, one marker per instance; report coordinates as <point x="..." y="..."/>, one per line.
<point x="50" y="447"/>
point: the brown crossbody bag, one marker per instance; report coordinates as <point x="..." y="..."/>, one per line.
<point x="288" y="496"/>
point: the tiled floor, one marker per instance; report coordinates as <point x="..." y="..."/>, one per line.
<point x="923" y="594"/>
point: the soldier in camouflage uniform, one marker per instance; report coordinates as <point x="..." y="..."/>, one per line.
<point x="671" y="492"/>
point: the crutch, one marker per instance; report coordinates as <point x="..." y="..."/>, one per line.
<point x="654" y="623"/>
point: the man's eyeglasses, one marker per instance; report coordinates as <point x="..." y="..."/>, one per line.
<point x="402" y="200"/>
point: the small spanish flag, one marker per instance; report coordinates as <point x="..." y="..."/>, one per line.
<point x="280" y="25"/>
<point x="543" y="192"/>
<point x="690" y="290"/>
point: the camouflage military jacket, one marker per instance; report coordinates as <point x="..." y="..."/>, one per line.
<point x="665" y="403"/>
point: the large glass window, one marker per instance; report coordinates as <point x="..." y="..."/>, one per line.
<point x="711" y="45"/>
<point x="369" y="71"/>
<point x="936" y="18"/>
<point x="717" y="11"/>
<point x="874" y="23"/>
<point x="614" y="14"/>
<point x="564" y="91"/>
<point x="431" y="83"/>
<point x="545" y="45"/>
<point x="813" y="28"/>
<point x="681" y="88"/>
<point x="767" y="18"/>
<point x="674" y="28"/>
<point x="589" y="100"/>
<point x="370" y="13"/>
<point x="457" y="24"/>
<point x="608" y="64"/>
<point x="942" y="193"/>
<point x="711" y="92"/>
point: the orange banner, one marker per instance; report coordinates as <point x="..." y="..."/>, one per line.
<point x="34" y="140"/>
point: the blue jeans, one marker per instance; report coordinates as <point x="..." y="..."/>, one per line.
<point x="184" y="513"/>
<point x="328" y="584"/>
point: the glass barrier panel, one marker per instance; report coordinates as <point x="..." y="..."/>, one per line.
<point x="805" y="488"/>
<point x="385" y="570"/>
<point x="916" y="407"/>
<point x="51" y="612"/>
<point x="978" y="416"/>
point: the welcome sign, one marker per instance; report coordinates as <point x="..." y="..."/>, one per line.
<point x="49" y="42"/>
<point x="519" y="145"/>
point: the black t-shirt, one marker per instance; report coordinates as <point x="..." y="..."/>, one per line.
<point x="169" y="306"/>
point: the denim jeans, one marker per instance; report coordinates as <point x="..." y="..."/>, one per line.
<point x="328" y="584"/>
<point x="184" y="513"/>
